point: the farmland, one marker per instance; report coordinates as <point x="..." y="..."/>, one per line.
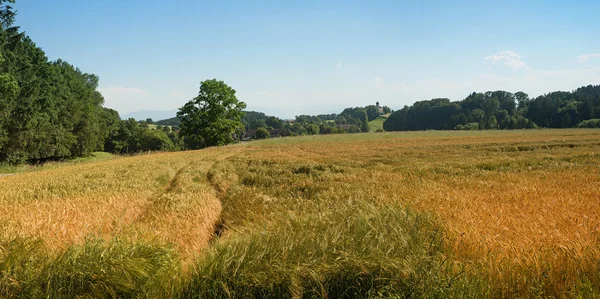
<point x="435" y="214"/>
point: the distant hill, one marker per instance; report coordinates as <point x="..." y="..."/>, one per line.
<point x="153" y="114"/>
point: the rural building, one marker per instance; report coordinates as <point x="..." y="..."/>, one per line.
<point x="379" y="108"/>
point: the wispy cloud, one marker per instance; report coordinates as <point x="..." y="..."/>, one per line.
<point x="587" y="57"/>
<point x="510" y="59"/>
<point x="338" y="65"/>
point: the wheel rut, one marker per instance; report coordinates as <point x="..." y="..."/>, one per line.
<point x="187" y="210"/>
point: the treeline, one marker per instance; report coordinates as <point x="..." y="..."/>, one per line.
<point x="350" y="120"/>
<point x="131" y="136"/>
<point x="51" y="110"/>
<point x="501" y="110"/>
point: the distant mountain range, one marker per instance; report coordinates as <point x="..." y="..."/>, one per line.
<point x="155" y="115"/>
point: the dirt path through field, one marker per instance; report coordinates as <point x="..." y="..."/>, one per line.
<point x="187" y="210"/>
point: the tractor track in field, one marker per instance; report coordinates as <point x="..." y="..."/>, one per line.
<point x="201" y="167"/>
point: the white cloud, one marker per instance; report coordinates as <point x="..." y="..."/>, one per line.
<point x="338" y="65"/>
<point x="510" y="59"/>
<point x="587" y="57"/>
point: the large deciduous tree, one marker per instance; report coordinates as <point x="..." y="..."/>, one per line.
<point x="213" y="117"/>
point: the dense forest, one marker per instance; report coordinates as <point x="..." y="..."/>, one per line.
<point x="501" y="110"/>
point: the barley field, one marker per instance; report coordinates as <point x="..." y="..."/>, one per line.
<point x="413" y="214"/>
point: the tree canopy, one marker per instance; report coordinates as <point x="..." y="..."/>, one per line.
<point x="213" y="117"/>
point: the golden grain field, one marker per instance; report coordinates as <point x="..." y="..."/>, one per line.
<point x="521" y="207"/>
<point x="162" y="197"/>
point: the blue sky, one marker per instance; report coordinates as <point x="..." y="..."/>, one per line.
<point x="307" y="57"/>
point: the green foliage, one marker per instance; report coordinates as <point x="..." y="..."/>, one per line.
<point x="354" y="115"/>
<point x="262" y="133"/>
<point x="174" y="121"/>
<point x="330" y="128"/>
<point x="9" y="90"/>
<point x="372" y="112"/>
<point x="259" y="123"/>
<point x="364" y="126"/>
<point x="252" y="117"/>
<point x="212" y="118"/>
<point x="468" y="127"/>
<point x="155" y="140"/>
<point x="48" y="110"/>
<point x="297" y="129"/>
<point x="500" y="110"/>
<point x="274" y="122"/>
<point x="353" y="129"/>
<point x="590" y="123"/>
<point x="131" y="136"/>
<point x="437" y="114"/>
<point x="253" y="120"/>
<point x="562" y="109"/>
<point x="312" y="129"/>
